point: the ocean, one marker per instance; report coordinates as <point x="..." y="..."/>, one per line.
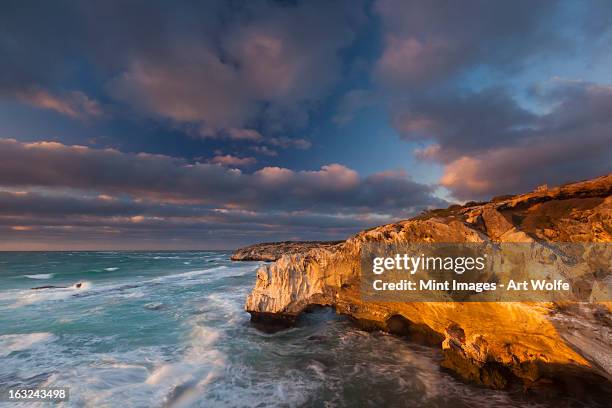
<point x="168" y="329"/>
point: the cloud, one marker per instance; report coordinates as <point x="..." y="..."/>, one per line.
<point x="237" y="134"/>
<point x="233" y="161"/>
<point x="521" y="168"/>
<point x="41" y="209"/>
<point x="244" y="134"/>
<point x="332" y="188"/>
<point x="253" y="136"/>
<point x="74" y="103"/>
<point x="489" y="145"/>
<point x="21" y="228"/>
<point x="407" y="61"/>
<point x="464" y="122"/>
<point x="251" y="77"/>
<point x="60" y="218"/>
<point x="260" y="66"/>
<point x="432" y="41"/>
<point x="220" y="64"/>
<point x="192" y="86"/>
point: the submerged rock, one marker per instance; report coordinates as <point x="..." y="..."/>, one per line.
<point x="77" y="285"/>
<point x="494" y="344"/>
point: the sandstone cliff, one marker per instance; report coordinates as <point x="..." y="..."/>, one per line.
<point x="272" y="251"/>
<point x="489" y="343"/>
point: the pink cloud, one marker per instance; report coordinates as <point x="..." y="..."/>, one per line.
<point x="406" y="60"/>
<point x="244" y="134"/>
<point x="229" y="160"/>
<point x="74" y="103"/>
<point x="334" y="175"/>
<point x="269" y="66"/>
<point x="192" y="86"/>
<point x="415" y="126"/>
<point x="517" y="168"/>
<point x="431" y="152"/>
<point x="274" y="175"/>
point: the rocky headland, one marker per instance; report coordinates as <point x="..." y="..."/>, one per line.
<point x="273" y="251"/>
<point x="494" y="344"/>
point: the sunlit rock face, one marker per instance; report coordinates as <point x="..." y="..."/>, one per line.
<point x="489" y="343"/>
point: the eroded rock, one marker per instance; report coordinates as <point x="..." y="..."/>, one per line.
<point x="490" y="343"/>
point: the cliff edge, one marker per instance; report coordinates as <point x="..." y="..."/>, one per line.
<point x="272" y="251"/>
<point x="494" y="344"/>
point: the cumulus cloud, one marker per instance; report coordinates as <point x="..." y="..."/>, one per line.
<point x="194" y="86"/>
<point x="261" y="64"/>
<point x="220" y="64"/>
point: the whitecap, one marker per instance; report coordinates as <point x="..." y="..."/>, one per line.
<point x="154" y="306"/>
<point x="18" y="342"/>
<point x="113" y="269"/>
<point x="181" y="383"/>
<point x="40" y="276"/>
<point x="28" y="297"/>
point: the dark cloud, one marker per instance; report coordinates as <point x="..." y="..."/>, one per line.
<point x="39" y="210"/>
<point x="37" y="44"/>
<point x="490" y="145"/>
<point x="169" y="179"/>
<point x="433" y="40"/>
<point x="466" y="122"/>
<point x="220" y="64"/>
<point x="52" y="221"/>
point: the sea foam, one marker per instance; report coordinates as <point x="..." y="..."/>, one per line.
<point x="10" y="343"/>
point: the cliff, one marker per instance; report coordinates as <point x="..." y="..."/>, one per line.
<point x="272" y="251"/>
<point x="494" y="344"/>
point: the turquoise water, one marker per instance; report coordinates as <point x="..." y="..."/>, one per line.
<point x="167" y="329"/>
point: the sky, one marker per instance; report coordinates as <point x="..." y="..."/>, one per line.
<point x="215" y="124"/>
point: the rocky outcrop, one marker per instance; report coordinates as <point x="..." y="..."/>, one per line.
<point x="272" y="251"/>
<point x="489" y="343"/>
